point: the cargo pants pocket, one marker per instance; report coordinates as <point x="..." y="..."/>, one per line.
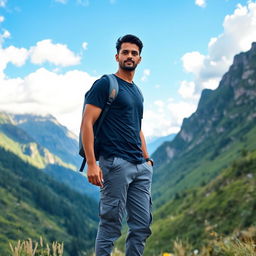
<point x="150" y="210"/>
<point x="109" y="209"/>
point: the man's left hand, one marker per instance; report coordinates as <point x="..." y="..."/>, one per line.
<point x="149" y="163"/>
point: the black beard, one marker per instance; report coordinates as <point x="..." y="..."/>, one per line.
<point x="127" y="68"/>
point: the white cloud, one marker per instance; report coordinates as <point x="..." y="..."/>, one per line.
<point x="159" y="104"/>
<point x="165" y="117"/>
<point x="239" y="31"/>
<point x="200" y="3"/>
<point x="146" y="73"/>
<point x="45" y="92"/>
<point x="16" y="56"/>
<point x="57" y="54"/>
<point x="85" y="45"/>
<point x="181" y="109"/>
<point x="3" y="3"/>
<point x="1" y="19"/>
<point x="192" y="61"/>
<point x="4" y="35"/>
<point x="44" y="51"/>
<point x="187" y="90"/>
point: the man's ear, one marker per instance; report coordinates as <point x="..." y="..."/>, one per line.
<point x="117" y="58"/>
<point x="140" y="59"/>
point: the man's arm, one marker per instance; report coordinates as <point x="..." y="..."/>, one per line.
<point x="90" y="116"/>
<point x="144" y="147"/>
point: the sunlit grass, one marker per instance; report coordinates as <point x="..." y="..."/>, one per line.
<point x="241" y="244"/>
<point x="30" y="248"/>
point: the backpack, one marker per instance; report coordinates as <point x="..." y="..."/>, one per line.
<point x="113" y="91"/>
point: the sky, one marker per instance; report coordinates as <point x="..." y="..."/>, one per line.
<point x="51" y="51"/>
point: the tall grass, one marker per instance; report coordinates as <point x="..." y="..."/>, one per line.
<point x="30" y="248"/>
<point x="241" y="244"/>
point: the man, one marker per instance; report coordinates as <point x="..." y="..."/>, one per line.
<point x="125" y="169"/>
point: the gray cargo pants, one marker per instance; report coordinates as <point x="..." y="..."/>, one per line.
<point x="127" y="187"/>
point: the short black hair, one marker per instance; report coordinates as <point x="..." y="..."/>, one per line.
<point x="129" y="39"/>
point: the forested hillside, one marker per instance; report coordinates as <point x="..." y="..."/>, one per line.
<point x="33" y="205"/>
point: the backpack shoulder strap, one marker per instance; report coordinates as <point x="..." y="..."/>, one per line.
<point x="113" y="87"/>
<point x="113" y="91"/>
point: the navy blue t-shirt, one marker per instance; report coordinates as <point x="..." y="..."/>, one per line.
<point x="120" y="132"/>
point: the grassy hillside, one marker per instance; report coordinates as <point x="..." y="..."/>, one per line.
<point x="199" y="166"/>
<point x="33" y="205"/>
<point x="224" y="205"/>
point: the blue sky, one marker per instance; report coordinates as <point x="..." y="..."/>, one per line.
<point x="52" y="50"/>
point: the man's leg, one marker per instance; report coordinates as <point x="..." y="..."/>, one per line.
<point x="117" y="175"/>
<point x="138" y="207"/>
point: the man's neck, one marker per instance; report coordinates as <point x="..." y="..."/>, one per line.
<point x="125" y="75"/>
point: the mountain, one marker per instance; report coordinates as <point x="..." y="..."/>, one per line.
<point x="50" y="134"/>
<point x="154" y="143"/>
<point x="223" y="125"/>
<point x="47" y="145"/>
<point x="33" y="205"/>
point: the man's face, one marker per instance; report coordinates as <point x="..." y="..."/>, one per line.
<point x="128" y="56"/>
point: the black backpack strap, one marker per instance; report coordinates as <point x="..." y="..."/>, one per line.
<point x="113" y="91"/>
<point x="82" y="165"/>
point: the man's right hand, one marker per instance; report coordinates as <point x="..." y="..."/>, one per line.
<point x="94" y="175"/>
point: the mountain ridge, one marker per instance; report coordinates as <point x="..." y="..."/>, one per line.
<point x="223" y="124"/>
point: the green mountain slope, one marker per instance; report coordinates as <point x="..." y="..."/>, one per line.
<point x="224" y="205"/>
<point x="22" y="144"/>
<point x="33" y="205"/>
<point x="44" y="143"/>
<point x="223" y="125"/>
<point x="50" y="134"/>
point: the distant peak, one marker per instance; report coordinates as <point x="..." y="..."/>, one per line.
<point x="253" y="48"/>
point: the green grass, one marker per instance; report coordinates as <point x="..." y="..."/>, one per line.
<point x="226" y="204"/>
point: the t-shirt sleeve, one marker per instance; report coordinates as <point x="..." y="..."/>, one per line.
<point x="98" y="94"/>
